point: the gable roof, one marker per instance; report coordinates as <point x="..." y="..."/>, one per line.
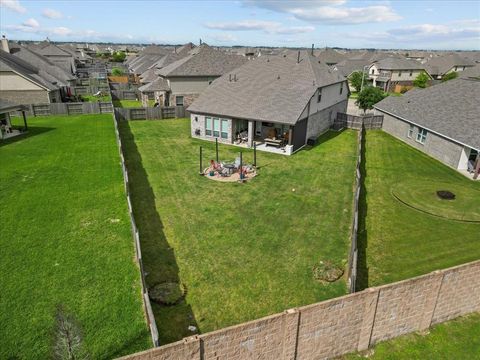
<point x="203" y="61"/>
<point x="450" y="109"/>
<point x="46" y="48"/>
<point x="398" y="63"/>
<point x="330" y="57"/>
<point x="159" y="84"/>
<point x="9" y="62"/>
<point x="441" y="64"/>
<point x="348" y="66"/>
<point x="274" y="89"/>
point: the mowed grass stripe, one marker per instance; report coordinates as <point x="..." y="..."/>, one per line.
<point x="66" y="240"/>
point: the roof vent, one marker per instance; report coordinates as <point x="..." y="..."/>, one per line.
<point x="230" y="77"/>
<point x="235" y="77"/>
<point x="278" y="77"/>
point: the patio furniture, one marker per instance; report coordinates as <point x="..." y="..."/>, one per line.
<point x="273" y="142"/>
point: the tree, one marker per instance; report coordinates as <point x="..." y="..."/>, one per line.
<point x="368" y="97"/>
<point x="117" y="72"/>
<point x="118" y="56"/>
<point x="355" y="79"/>
<point x="449" y="76"/>
<point x="421" y="80"/>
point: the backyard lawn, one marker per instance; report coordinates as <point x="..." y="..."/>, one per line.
<point x="409" y="231"/>
<point x="131" y="103"/>
<point x="242" y="251"/>
<point x="66" y="241"/>
<point x="457" y="339"/>
<point x="92" y="98"/>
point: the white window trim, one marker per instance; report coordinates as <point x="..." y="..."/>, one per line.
<point x="211" y="126"/>
<point x="410" y="130"/>
<point x="421" y="136"/>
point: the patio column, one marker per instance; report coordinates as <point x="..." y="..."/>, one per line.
<point x="476" y="172"/>
<point x="290" y="136"/>
<point x="250" y="133"/>
<point x="24" y="120"/>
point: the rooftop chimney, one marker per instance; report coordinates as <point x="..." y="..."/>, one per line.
<point x="5" y="46"/>
<point x="298" y="57"/>
<point x="312" y="48"/>
<point x="200" y="41"/>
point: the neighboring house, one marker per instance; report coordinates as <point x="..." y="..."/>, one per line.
<point x="438" y="66"/>
<point x="394" y="73"/>
<point x="156" y="90"/>
<point x="57" y="55"/>
<point x="23" y="83"/>
<point x="277" y="102"/>
<point x="189" y="76"/>
<point x="330" y="57"/>
<point x="442" y="121"/>
<point x="56" y="75"/>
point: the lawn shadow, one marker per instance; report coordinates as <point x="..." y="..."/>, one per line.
<point x="158" y="257"/>
<point x="362" y="239"/>
<point x="323" y="138"/>
<point x="32" y="131"/>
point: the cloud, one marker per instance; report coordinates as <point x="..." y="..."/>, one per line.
<point x="52" y="14"/>
<point x="424" y="34"/>
<point x="330" y="12"/>
<point x="270" y="27"/>
<point x="31" y="23"/>
<point x="13" y="5"/>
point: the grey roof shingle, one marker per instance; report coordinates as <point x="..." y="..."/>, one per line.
<point x="441" y="64"/>
<point x="203" y="61"/>
<point x="398" y="63"/>
<point x="274" y="89"/>
<point x="159" y="84"/>
<point x="451" y="109"/>
<point x="9" y="62"/>
<point x="330" y="56"/>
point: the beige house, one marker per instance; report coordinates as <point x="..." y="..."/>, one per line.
<point x="393" y="74"/>
<point x="22" y="83"/>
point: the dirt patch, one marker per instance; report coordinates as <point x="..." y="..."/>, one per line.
<point x="327" y="271"/>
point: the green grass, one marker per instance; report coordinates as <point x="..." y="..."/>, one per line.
<point x="243" y="251"/>
<point x="397" y="242"/>
<point x="66" y="240"/>
<point x="353" y="95"/>
<point x="457" y="339"/>
<point x="131" y="103"/>
<point x="91" y="98"/>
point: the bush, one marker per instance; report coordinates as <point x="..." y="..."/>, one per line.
<point x="117" y="72"/>
<point x="450" y="76"/>
<point x="118" y="56"/>
<point x="355" y="80"/>
<point x="421" y="80"/>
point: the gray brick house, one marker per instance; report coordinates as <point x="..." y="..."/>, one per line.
<point x="443" y="121"/>
<point x="277" y="102"/>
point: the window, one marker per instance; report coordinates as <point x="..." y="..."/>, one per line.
<point x="373" y="71"/>
<point x="399" y="74"/>
<point x="216" y="127"/>
<point x="421" y="135"/>
<point x="179" y="100"/>
<point x="319" y="98"/>
<point x="208" y="126"/>
<point x="224" y="133"/>
<point x="411" y="72"/>
<point x="341" y="88"/>
<point x="456" y="68"/>
<point x="410" y="131"/>
<point x="196" y="118"/>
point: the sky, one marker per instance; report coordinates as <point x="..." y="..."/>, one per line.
<point x="402" y="24"/>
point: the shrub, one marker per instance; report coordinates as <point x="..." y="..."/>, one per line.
<point x="421" y="80"/>
<point x="117" y="72"/>
<point x="450" y="76"/>
<point x="369" y="96"/>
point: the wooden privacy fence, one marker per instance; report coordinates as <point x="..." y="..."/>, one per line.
<point x="70" y="108"/>
<point x="136" y="240"/>
<point x="150" y="113"/>
<point x="125" y="94"/>
<point x="357" y="122"/>
<point x="90" y="89"/>
<point x="353" y="256"/>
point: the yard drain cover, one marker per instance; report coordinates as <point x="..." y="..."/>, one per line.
<point x="168" y="293"/>
<point x="445" y="195"/>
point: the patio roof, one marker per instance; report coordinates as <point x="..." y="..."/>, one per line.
<point x="6" y="107"/>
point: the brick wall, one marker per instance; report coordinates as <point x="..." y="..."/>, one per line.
<point x="338" y="326"/>
<point x="25" y="96"/>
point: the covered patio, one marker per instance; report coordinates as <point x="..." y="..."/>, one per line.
<point x="7" y="130"/>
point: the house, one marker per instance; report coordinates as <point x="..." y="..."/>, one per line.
<point x="191" y="75"/>
<point x="156" y="90"/>
<point x="392" y="74"/>
<point x="438" y="66"/>
<point x="56" y="55"/>
<point x="23" y="83"/>
<point x="443" y="121"/>
<point x="55" y="74"/>
<point x="276" y="103"/>
<point x="330" y="56"/>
